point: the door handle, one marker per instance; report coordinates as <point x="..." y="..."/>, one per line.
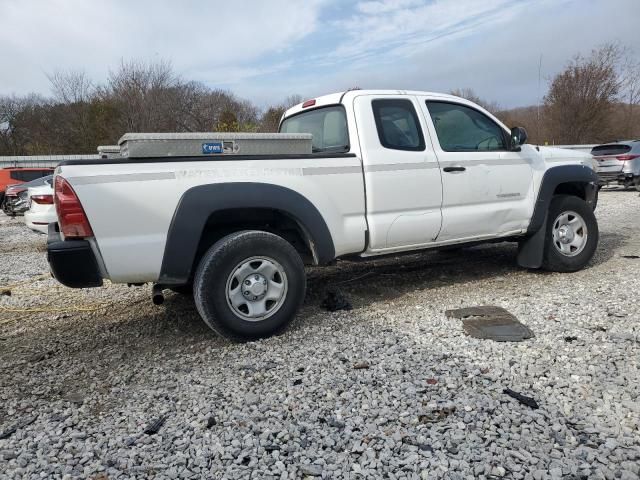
<point x="454" y="169"/>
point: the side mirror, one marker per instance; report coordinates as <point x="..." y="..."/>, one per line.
<point x="518" y="137"/>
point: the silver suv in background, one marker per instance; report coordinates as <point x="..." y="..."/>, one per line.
<point x="618" y="163"/>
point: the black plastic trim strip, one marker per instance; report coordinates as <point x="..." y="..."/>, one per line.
<point x="208" y="158"/>
<point x="199" y="203"/>
<point x="555" y="176"/>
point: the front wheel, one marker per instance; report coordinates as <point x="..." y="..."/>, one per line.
<point x="571" y="236"/>
<point x="249" y="285"/>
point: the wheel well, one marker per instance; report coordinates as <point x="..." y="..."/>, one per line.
<point x="224" y="222"/>
<point x="577" y="189"/>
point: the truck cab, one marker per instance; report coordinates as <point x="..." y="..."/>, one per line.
<point x="438" y="169"/>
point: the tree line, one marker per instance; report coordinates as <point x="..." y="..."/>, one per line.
<point x="137" y="97"/>
<point x="595" y="99"/>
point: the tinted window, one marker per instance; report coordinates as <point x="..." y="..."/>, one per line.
<point x="328" y="126"/>
<point x="398" y="125"/>
<point x="28" y="175"/>
<point x="615" y="149"/>
<point x="464" y="129"/>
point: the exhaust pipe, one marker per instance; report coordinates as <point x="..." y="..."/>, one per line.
<point x="156" y="294"/>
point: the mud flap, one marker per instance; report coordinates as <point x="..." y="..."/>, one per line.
<point x="531" y="249"/>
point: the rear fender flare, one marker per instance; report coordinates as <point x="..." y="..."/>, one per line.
<point x="198" y="203"/>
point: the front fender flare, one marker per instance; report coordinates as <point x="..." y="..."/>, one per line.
<point x="531" y="248"/>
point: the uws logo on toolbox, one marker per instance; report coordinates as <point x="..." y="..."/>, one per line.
<point x="212" y="148"/>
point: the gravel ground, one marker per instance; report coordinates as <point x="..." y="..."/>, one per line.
<point x="391" y="389"/>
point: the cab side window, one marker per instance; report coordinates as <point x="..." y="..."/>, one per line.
<point x="463" y="129"/>
<point x="398" y="125"/>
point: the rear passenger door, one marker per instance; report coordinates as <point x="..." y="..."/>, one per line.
<point x="402" y="175"/>
<point x="487" y="189"/>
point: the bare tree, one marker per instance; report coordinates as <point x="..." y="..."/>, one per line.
<point x="469" y="94"/>
<point x="630" y="86"/>
<point x="292" y="100"/>
<point x="270" y="120"/>
<point x="16" y="132"/>
<point x="146" y="94"/>
<point x="71" y="87"/>
<point x="580" y="100"/>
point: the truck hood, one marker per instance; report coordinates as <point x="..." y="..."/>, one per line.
<point x="565" y="155"/>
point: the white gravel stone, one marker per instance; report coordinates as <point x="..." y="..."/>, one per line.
<point x="95" y="367"/>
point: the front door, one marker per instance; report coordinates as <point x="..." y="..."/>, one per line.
<point x="487" y="189"/>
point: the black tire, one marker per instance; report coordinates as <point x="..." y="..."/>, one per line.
<point x="215" y="273"/>
<point x="556" y="261"/>
<point x="183" y="289"/>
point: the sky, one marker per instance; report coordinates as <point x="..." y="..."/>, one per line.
<point x="265" y="50"/>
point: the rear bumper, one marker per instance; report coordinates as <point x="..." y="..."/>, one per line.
<point x="621" y="178"/>
<point x="39" y="221"/>
<point x="72" y="262"/>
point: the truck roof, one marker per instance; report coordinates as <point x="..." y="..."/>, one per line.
<point x="339" y="97"/>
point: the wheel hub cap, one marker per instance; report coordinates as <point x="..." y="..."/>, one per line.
<point x="565" y="234"/>
<point x="254" y="287"/>
<point x="569" y="233"/>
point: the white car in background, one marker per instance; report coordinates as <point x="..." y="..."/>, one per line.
<point x="41" y="211"/>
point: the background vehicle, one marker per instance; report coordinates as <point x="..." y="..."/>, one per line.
<point x="16" y="200"/>
<point x="14" y="176"/>
<point x="386" y="172"/>
<point x="618" y="163"/>
<point x="41" y="210"/>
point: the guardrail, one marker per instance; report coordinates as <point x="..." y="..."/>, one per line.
<point x="41" y="161"/>
<point x="580" y="148"/>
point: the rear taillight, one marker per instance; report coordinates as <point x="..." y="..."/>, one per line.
<point x="626" y="158"/>
<point x="42" y="199"/>
<point x="71" y="217"/>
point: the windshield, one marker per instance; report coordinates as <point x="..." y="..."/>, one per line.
<point x="328" y="126"/>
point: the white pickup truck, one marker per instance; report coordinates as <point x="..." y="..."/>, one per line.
<point x="390" y="172"/>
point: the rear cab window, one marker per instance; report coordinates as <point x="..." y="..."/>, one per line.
<point x="328" y="125"/>
<point x="398" y="125"/>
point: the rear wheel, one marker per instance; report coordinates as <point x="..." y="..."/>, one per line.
<point x="571" y="236"/>
<point x="636" y="183"/>
<point x="249" y="285"/>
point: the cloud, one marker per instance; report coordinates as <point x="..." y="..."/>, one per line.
<point x="225" y="39"/>
<point x="387" y="25"/>
<point x="265" y="51"/>
<point x="492" y="46"/>
<point x="385" y="6"/>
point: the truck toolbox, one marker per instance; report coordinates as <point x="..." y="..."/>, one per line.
<point x="141" y="145"/>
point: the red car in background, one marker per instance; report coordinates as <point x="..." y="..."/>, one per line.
<point x="11" y="178"/>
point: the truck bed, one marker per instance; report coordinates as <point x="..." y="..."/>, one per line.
<point x="131" y="202"/>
